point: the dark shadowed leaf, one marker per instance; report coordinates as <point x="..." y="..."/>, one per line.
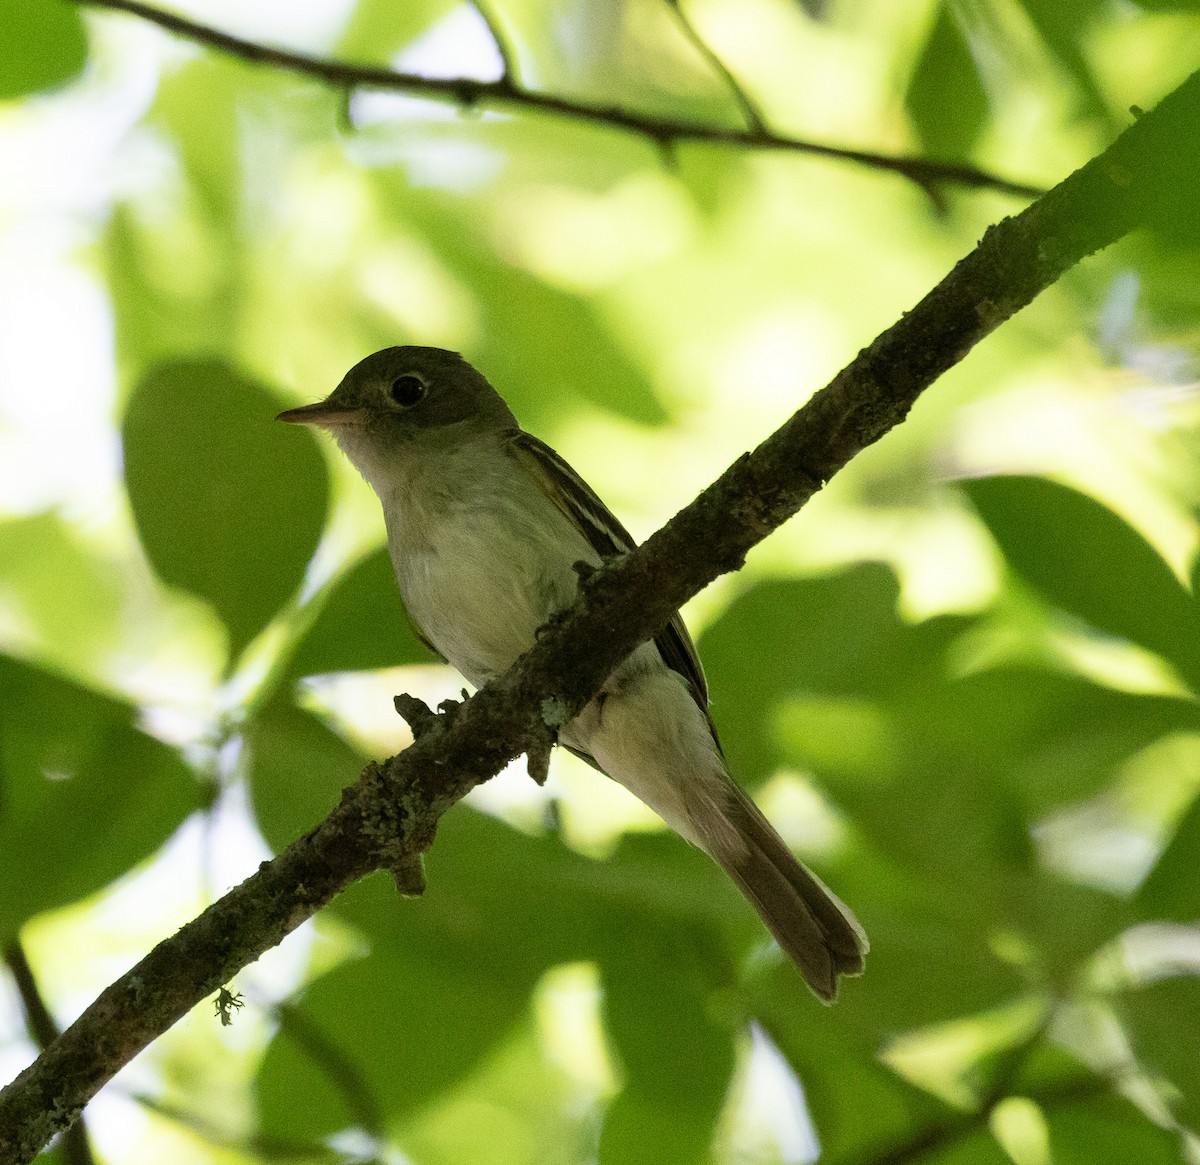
<point x="1162" y="1018"/>
<point x="931" y="958"/>
<point x="1064" y="25"/>
<point x="971" y="1147"/>
<point x="1105" y="1127"/>
<point x="362" y="624"/>
<point x="1172" y="889"/>
<point x="1084" y="559"/>
<point x="860" y="1107"/>
<point x="43" y="45"/>
<point x="297" y="769"/>
<point x="676" y="1058"/>
<point x="84" y="795"/>
<point x="946" y="99"/>
<point x="228" y="504"/>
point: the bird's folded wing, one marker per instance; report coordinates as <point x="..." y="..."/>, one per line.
<point x="608" y="538"/>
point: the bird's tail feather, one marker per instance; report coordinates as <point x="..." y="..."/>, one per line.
<point x="819" y="932"/>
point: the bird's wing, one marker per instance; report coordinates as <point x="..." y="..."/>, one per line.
<point x="608" y="538"/>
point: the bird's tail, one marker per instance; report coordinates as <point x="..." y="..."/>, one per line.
<point x="649" y="735"/>
<point x="818" y="931"/>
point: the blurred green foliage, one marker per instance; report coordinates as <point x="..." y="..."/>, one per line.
<point x="963" y="681"/>
<point x="44" y="46"/>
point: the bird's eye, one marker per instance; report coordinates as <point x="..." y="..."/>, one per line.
<point x="406" y="390"/>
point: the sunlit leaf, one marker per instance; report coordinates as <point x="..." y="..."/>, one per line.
<point x="44" y="45"/>
<point x="593" y="50"/>
<point x="1081" y="557"/>
<point x="541" y="347"/>
<point x="377" y="29"/>
<point x="71" y="599"/>
<point x="229" y="505"/>
<point x="83" y="794"/>
<point x="533" y="1102"/>
<point x="1063" y="25"/>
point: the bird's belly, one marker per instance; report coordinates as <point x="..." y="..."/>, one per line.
<point x="482" y="584"/>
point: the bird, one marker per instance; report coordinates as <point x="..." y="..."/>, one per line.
<point x="485" y="524"/>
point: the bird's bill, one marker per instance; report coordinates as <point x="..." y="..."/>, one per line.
<point x="323" y="413"/>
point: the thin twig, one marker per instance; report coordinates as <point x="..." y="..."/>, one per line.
<point x="754" y="119"/>
<point x="469" y="93"/>
<point x="507" y="63"/>
<point x="76" y="1147"/>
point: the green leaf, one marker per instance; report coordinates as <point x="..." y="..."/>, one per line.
<point x="565" y="354"/>
<point x="362" y="624"/>
<point x="946" y="98"/>
<point x="1063" y="26"/>
<point x="1084" y="559"/>
<point x="409" y="1019"/>
<point x="70" y="598"/>
<point x="84" y="795"/>
<point x="1161" y="1019"/>
<point x="447" y="978"/>
<point x="1051" y="738"/>
<point x="44" y="45"/>
<point x="859" y="1106"/>
<point x="449" y="974"/>
<point x="535" y="1112"/>
<point x="838" y="636"/>
<point x="676" y="1058"/>
<point x="1108" y="1128"/>
<point x="228" y="505"/>
<point x="1171" y="891"/>
<point x="1168" y="5"/>
<point x="297" y="769"/>
<point x="378" y="28"/>
<point x="931" y="959"/>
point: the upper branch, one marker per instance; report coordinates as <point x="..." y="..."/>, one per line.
<point x="662" y="131"/>
<point x="390" y="814"/>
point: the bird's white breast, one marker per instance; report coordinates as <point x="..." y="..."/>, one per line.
<point x="483" y="558"/>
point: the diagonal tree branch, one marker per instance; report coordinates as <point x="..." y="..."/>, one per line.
<point x="389" y="816"/>
<point x="506" y="92"/>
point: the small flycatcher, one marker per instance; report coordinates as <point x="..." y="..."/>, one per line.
<point x="484" y="524"/>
